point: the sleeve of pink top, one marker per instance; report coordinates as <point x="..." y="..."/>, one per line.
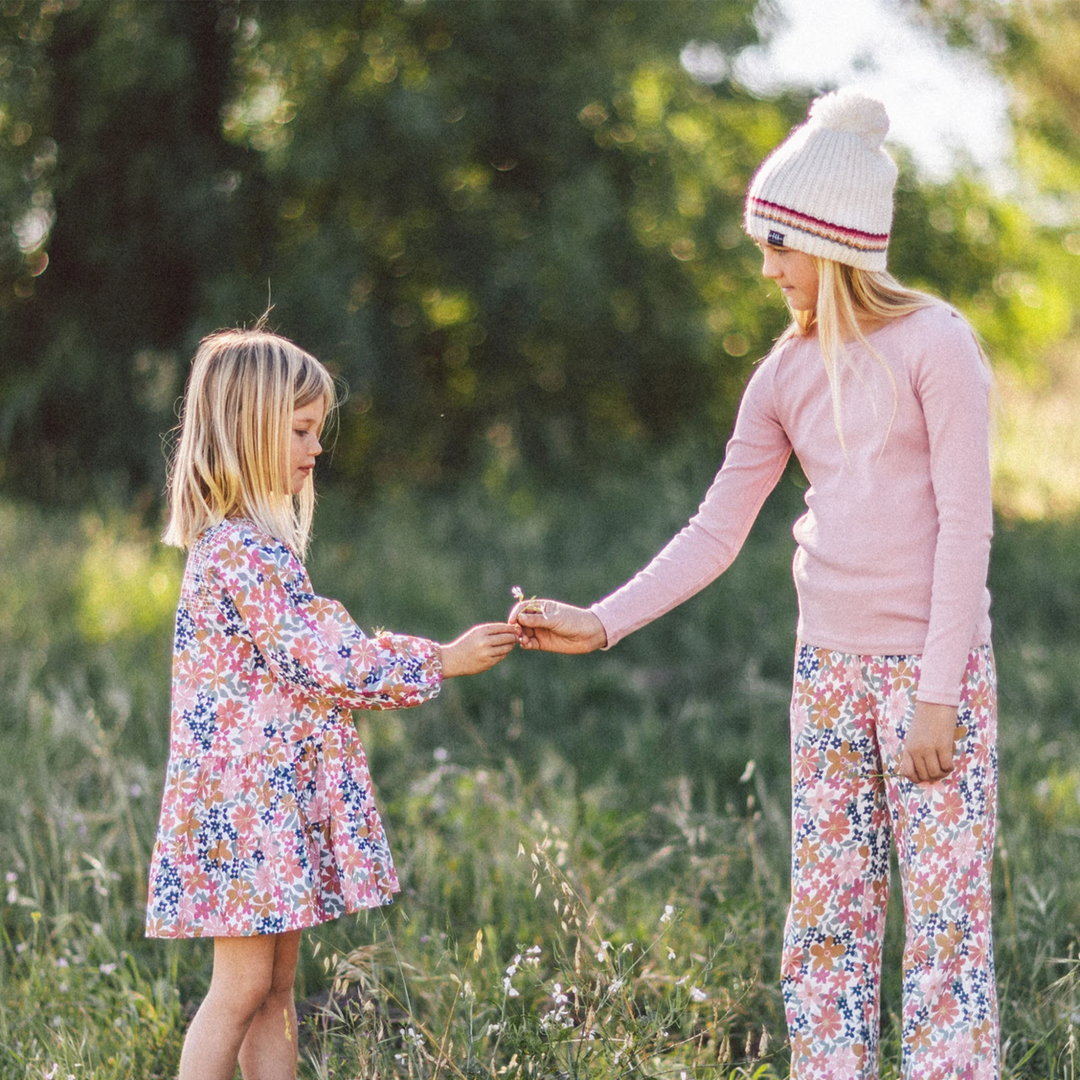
<point x="753" y="462"/>
<point x="953" y="385"/>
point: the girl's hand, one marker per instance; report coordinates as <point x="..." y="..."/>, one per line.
<point x="928" y="748"/>
<point x="479" y="648"/>
<point x="553" y="627"/>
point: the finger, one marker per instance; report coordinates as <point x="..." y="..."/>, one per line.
<point x="525" y="617"/>
<point x="907" y="768"/>
<point x="922" y="772"/>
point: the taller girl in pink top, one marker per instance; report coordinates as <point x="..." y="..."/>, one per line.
<point x="268" y="820"/>
<point x="882" y="393"/>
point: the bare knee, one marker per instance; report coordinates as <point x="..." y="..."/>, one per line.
<point x="243" y="977"/>
<point x="240" y="999"/>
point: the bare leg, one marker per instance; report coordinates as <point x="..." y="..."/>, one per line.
<point x="241" y="983"/>
<point x="269" y="1048"/>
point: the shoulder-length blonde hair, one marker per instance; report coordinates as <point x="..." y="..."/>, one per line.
<point x="847" y="298"/>
<point x="232" y="456"/>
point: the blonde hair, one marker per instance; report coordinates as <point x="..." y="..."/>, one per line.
<point x="846" y="297"/>
<point x="232" y="456"/>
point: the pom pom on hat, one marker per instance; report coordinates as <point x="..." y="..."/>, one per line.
<point x="828" y="188"/>
<point x="854" y="113"/>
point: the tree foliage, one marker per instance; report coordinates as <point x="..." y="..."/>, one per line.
<point x="512" y="228"/>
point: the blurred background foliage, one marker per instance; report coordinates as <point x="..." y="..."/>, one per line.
<point x="512" y="228"/>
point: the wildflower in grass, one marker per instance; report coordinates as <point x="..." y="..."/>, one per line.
<point x="669" y="912"/>
<point x="511" y="971"/>
<point x="698" y="995"/>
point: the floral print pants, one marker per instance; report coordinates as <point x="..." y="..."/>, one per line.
<point x="849" y="716"/>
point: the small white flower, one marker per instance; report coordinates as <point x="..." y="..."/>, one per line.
<point x="11" y="877"/>
<point x="493" y="1030"/>
<point x="617" y="985"/>
<point x="669" y="911"/>
<point x="671" y="954"/>
<point x="698" y="994"/>
<point x="512" y="992"/>
<point x="106" y="969"/>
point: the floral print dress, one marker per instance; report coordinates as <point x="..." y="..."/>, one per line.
<point x="268" y="822"/>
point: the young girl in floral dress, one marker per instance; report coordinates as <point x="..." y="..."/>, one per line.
<point x="882" y="394"/>
<point x="268" y="824"/>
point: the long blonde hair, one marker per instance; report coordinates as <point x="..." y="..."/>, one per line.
<point x="846" y="297"/>
<point x="231" y="459"/>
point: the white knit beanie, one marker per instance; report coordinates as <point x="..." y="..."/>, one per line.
<point x="828" y="188"/>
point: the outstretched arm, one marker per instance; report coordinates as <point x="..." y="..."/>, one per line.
<point x="551" y="626"/>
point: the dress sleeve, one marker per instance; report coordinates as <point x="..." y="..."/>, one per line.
<point x="953" y="384"/>
<point x="311" y="643"/>
<point x="753" y="462"/>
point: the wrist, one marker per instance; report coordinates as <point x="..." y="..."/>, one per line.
<point x="446" y="660"/>
<point x="597" y="633"/>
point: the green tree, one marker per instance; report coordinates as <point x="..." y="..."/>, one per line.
<point x="512" y="227"/>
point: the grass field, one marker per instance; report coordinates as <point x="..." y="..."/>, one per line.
<point x="593" y="850"/>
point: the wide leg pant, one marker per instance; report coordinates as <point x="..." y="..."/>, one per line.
<point x="849" y="715"/>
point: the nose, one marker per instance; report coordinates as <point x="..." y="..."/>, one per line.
<point x="317" y="449"/>
<point x="770" y="265"/>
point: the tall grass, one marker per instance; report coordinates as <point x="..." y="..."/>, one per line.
<point x="593" y="850"/>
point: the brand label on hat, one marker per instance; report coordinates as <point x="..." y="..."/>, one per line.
<point x="776" y="239"/>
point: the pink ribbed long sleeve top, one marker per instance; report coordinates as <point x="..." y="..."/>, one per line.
<point x="894" y="545"/>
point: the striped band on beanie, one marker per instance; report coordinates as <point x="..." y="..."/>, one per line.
<point x="827" y="189"/>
